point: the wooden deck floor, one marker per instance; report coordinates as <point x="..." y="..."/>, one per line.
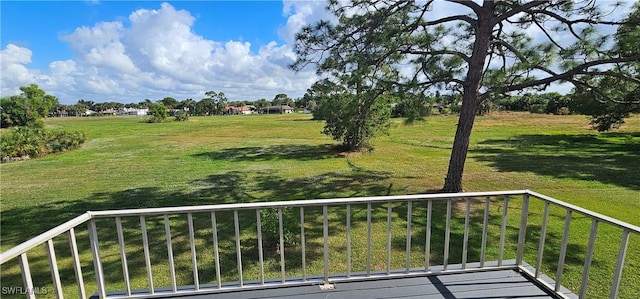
<point x="491" y="284"/>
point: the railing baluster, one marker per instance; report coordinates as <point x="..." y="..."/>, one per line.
<point x="389" y="212"/>
<point x="624" y="242"/>
<point x="216" y="251"/>
<point x="465" y="238"/>
<point x="447" y="235"/>
<point x="543" y="236"/>
<point x="485" y="228"/>
<point x="194" y="260"/>
<point x="73" y="245"/>
<point x="563" y="250"/>
<point x="147" y="256"/>
<point x="325" y="234"/>
<point x="589" y="257"/>
<point x="503" y="229"/>
<point x="260" y="252"/>
<point x="348" y="241"/>
<point x="408" y="246"/>
<point x="281" y="233"/>
<point x="53" y="263"/>
<point x="97" y="262"/>
<point x="303" y="245"/>
<point x="236" y="224"/>
<point x="26" y="275"/>
<point x="123" y="256"/>
<point x="172" y="268"/>
<point x="368" y="239"/>
<point x="523" y="229"/>
<point x="427" y="245"/>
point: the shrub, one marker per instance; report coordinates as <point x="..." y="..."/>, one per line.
<point x="158" y="113"/>
<point x="182" y="116"/>
<point x="271" y="228"/>
<point x="24" y="143"/>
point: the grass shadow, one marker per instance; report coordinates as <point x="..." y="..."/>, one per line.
<point x="301" y="152"/>
<point x="612" y="158"/>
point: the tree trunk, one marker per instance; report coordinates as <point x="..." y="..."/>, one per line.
<point x="470" y="101"/>
<point x="453" y="181"/>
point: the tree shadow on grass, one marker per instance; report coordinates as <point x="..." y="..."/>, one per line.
<point x="612" y="158"/>
<point x="274" y="152"/>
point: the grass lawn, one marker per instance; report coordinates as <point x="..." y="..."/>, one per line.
<point x="210" y="160"/>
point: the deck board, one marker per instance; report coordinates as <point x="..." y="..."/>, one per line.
<point x="493" y="284"/>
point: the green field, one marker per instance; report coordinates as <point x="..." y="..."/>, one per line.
<point x="130" y="164"/>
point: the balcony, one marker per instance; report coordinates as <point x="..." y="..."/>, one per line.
<point x="463" y="245"/>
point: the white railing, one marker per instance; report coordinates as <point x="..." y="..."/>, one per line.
<point x="495" y="253"/>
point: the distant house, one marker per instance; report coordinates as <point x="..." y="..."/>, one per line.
<point x="133" y="111"/>
<point x="109" y="111"/>
<point x="279" y="109"/>
<point x="239" y="110"/>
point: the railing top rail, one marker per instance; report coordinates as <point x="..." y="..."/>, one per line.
<point x="298" y="203"/>
<point x="38" y="240"/>
<point x="586" y="212"/>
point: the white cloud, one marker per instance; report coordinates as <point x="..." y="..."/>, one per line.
<point x="12" y="67"/>
<point x="157" y="54"/>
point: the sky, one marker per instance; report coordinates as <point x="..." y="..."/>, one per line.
<point x="128" y="51"/>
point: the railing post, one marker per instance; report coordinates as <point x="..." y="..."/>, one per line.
<point x="76" y="263"/>
<point x="194" y="260"/>
<point x="55" y="274"/>
<point x="427" y="245"/>
<point x="123" y="256"/>
<point x="408" y="245"/>
<point x="368" y="266"/>
<point x="26" y="275"/>
<point x="172" y="269"/>
<point x="447" y="236"/>
<point x="260" y="252"/>
<point x="97" y="263"/>
<point x="587" y="262"/>
<point x="624" y="242"/>
<point x="523" y="228"/>
<point x="303" y="245"/>
<point x="147" y="256"/>
<point x="325" y="235"/>
<point x="503" y="229"/>
<point x="563" y="250"/>
<point x="465" y="239"/>
<point x="389" y="212"/>
<point x="543" y="236"/>
<point x="236" y="225"/>
<point x="485" y="227"/>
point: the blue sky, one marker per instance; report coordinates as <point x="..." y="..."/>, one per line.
<point x="95" y="50"/>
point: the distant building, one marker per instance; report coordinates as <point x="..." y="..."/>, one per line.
<point x="133" y="111"/>
<point x="279" y="109"/>
<point x="240" y="110"/>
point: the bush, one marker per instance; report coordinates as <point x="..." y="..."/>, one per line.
<point x="271" y="228"/>
<point x="182" y="116"/>
<point x="158" y="113"/>
<point x="24" y="143"/>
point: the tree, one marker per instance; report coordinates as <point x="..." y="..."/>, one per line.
<point x="158" y="113"/>
<point x="188" y="105"/>
<point x="27" y="108"/>
<point x="607" y="114"/>
<point x="169" y="102"/>
<point x="481" y="50"/>
<point x="219" y="100"/>
<point x="282" y="99"/>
